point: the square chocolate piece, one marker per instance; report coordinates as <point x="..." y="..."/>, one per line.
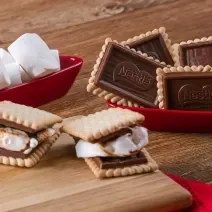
<point x="196" y="54"/>
<point x="120" y="162"/>
<point x="128" y="74"/>
<point x="153" y="46"/>
<point x="187" y="91"/>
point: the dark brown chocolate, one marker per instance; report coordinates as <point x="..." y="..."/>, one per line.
<point x="120" y="162"/>
<point x="154" y="46"/>
<point x="188" y="91"/>
<point x="196" y="54"/>
<point x="112" y="136"/>
<point x="109" y="137"/>
<point x="13" y="154"/>
<point x="129" y="75"/>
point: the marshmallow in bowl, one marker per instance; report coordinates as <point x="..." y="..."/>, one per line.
<point x="34" y="56"/>
<point x="16" y="73"/>
<point x="4" y="77"/>
<point x="55" y="54"/>
<point x="121" y="146"/>
<point x="6" y="57"/>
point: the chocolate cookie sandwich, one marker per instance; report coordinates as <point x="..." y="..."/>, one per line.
<point x="112" y="142"/>
<point x="26" y="134"/>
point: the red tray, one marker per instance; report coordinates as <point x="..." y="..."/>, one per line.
<point x="174" y="120"/>
<point x="46" y="89"/>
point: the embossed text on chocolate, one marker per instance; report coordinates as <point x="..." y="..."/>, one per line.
<point x="129" y="72"/>
<point x="193" y="94"/>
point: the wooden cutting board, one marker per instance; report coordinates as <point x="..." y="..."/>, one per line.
<point x="61" y="182"/>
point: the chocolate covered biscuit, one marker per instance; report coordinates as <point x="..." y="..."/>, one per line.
<point x="155" y="44"/>
<point x="188" y="88"/>
<point x="128" y="170"/>
<point x="196" y="52"/>
<point x="124" y="76"/>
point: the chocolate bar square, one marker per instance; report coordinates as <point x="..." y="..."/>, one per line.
<point x="188" y="91"/>
<point x="196" y="54"/>
<point x="129" y="75"/>
<point x="154" y="46"/>
<point x="120" y="162"/>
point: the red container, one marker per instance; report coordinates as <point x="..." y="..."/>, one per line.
<point x="46" y="89"/>
<point x="174" y="120"/>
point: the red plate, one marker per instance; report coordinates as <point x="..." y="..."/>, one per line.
<point x="46" y="89"/>
<point x="174" y="120"/>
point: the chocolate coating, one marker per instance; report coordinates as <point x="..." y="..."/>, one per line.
<point x="188" y="91"/>
<point x="196" y="54"/>
<point x="120" y="162"/>
<point x="154" y="46"/>
<point x="129" y="75"/>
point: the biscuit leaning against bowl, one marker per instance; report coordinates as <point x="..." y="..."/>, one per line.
<point x="112" y="142"/>
<point x="26" y="134"/>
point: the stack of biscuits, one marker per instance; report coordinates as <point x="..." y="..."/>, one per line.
<point x="26" y="134"/>
<point x="149" y="71"/>
<point x="112" y="142"/>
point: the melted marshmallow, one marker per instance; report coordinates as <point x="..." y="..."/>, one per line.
<point x="122" y="146"/>
<point x="16" y="140"/>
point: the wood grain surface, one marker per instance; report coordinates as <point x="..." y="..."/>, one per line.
<point x="82" y="34"/>
<point x="62" y="182"/>
<point x="188" y="155"/>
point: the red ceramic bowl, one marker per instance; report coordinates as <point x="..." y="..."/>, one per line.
<point x="174" y="120"/>
<point x="46" y="89"/>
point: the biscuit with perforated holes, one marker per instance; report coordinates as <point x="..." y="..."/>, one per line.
<point x="151" y="166"/>
<point x="33" y="157"/>
<point x="26" y="118"/>
<point x="103" y="123"/>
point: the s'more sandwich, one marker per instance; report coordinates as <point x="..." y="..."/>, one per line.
<point x="26" y="134"/>
<point x="112" y="142"/>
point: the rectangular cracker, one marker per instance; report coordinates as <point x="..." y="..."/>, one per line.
<point x="164" y="41"/>
<point x="178" y="46"/>
<point x="151" y="166"/>
<point x="162" y="72"/>
<point x="26" y="118"/>
<point x="103" y="123"/>
<point x="109" y="95"/>
<point x="34" y="157"/>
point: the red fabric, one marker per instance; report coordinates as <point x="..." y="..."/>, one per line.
<point x="201" y="193"/>
<point x="174" y="120"/>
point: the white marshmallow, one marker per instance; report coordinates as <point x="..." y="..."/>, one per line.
<point x="4" y="77"/>
<point x="86" y="150"/>
<point x="24" y="76"/>
<point x="27" y="151"/>
<point x="32" y="53"/>
<point x="55" y="54"/>
<point x="14" y="73"/>
<point x="33" y="142"/>
<point x="122" y="146"/>
<point x="7" y="58"/>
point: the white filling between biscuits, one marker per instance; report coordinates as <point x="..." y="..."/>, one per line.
<point x="17" y="140"/>
<point x="122" y="146"/>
